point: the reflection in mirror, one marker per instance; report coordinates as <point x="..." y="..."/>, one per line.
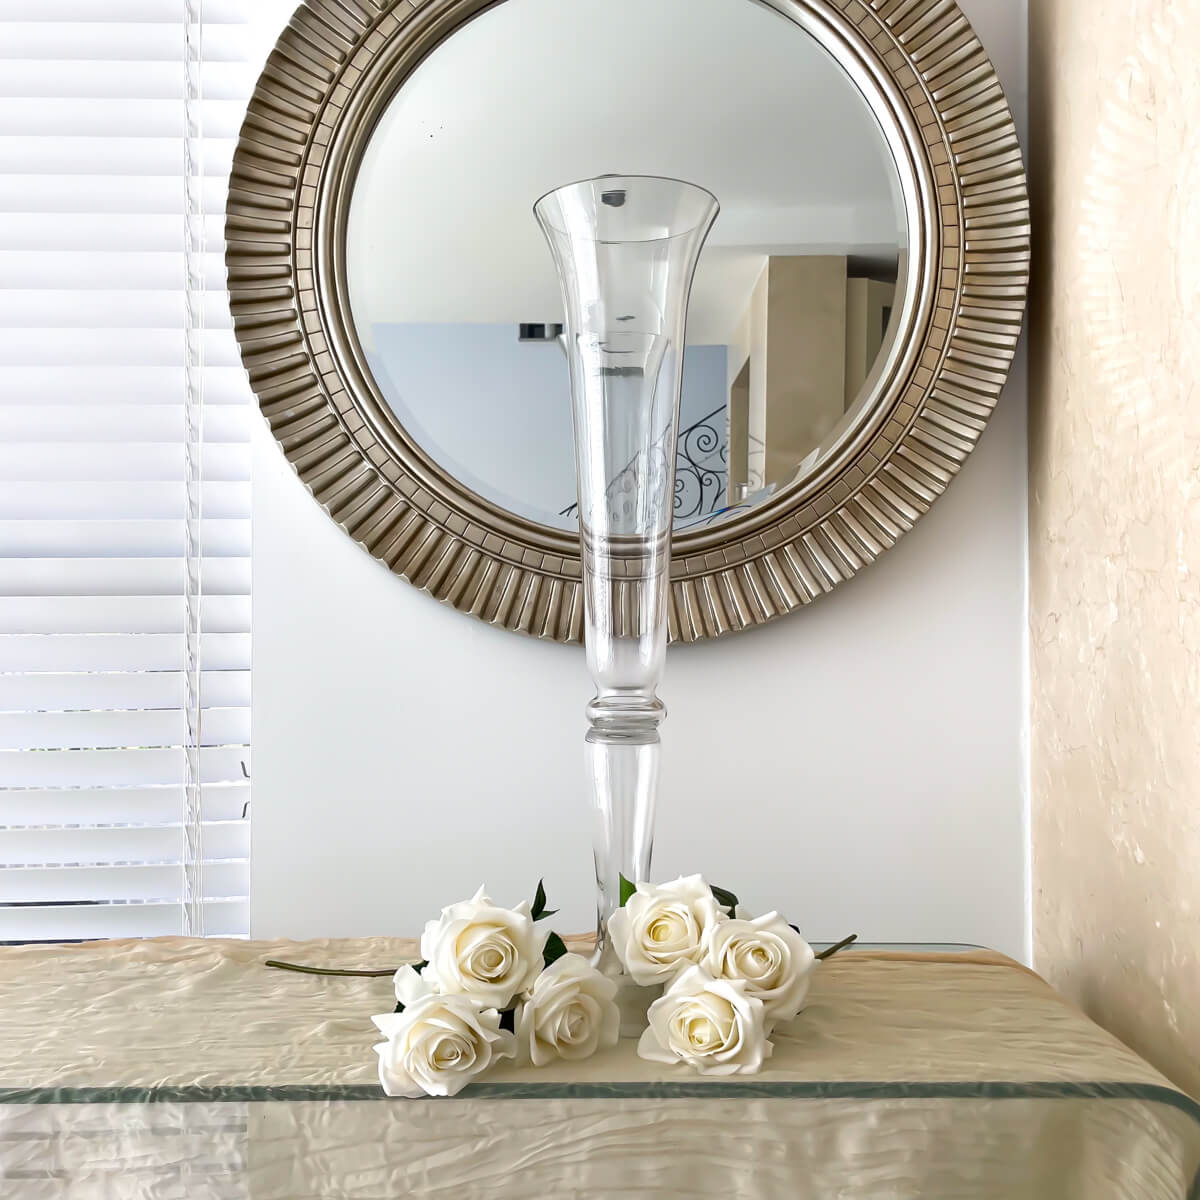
<point x="454" y="298"/>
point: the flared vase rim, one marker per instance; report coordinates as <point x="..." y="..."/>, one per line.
<point x="707" y="220"/>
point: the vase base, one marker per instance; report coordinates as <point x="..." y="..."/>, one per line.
<point x="634" y="1002"/>
<point x="633" y="999"/>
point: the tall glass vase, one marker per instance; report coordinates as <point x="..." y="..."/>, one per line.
<point x="626" y="249"/>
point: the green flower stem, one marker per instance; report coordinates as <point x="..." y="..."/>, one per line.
<point x="832" y="950"/>
<point x="286" y="966"/>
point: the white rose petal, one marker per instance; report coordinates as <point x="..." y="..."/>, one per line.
<point x="661" y="930"/>
<point x="437" y="1045"/>
<point x="570" y="1013"/>
<point x="709" y="1024"/>
<point x="773" y="960"/>
<point x="488" y="954"/>
<point x="411" y="986"/>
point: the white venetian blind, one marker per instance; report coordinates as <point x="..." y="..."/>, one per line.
<point x="124" y="473"/>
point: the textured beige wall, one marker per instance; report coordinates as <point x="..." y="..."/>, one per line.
<point x="1115" y="516"/>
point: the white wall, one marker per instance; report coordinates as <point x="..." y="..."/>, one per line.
<point x="868" y="771"/>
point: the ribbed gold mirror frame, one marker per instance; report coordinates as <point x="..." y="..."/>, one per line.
<point x="333" y="71"/>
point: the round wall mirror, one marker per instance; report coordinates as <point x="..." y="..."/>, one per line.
<point x="854" y="316"/>
<point x="454" y="299"/>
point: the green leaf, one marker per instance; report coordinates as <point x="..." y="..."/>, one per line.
<point x="508" y="1020"/>
<point x="724" y="898"/>
<point x="627" y="889"/>
<point x="399" y="1006"/>
<point x="539" y="911"/>
<point x="555" y="949"/>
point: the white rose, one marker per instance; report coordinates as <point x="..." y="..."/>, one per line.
<point x="486" y="953"/>
<point x="661" y="930"/>
<point x="773" y="959"/>
<point x="570" y="1012"/>
<point x="710" y="1024"/>
<point x="437" y="1045"/>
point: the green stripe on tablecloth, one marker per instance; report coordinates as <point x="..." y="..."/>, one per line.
<point x="679" y="1089"/>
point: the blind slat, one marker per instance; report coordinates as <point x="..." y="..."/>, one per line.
<point x="123" y="384"/>
<point x="110" y="730"/>
<point x="96" y="269"/>
<point x="128" y="42"/>
<point x="148" y="346"/>
<point x="124" y="11"/>
<point x="135" y="423"/>
<point x="112" y="768"/>
<point x="132" y="229"/>
<point x="128" y="539"/>
<point x="125" y="805"/>
<point x="119" y="614"/>
<point x="129" y="881"/>
<point x="36" y="461"/>
<point x="54" y="923"/>
<point x="110" y="690"/>
<point x="59" y="652"/>
<point x="99" y="845"/>
<point x="97" y="116"/>
<point x="119" y="577"/>
<point x="110" y="156"/>
<point x="101" y="500"/>
<point x="23" y="308"/>
<point x="92" y="195"/>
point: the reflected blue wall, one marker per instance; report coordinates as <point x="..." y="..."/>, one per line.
<point x="495" y="411"/>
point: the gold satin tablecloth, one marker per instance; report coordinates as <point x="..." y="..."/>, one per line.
<point x="179" y="1069"/>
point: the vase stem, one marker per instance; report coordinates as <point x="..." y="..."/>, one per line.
<point x="623" y="782"/>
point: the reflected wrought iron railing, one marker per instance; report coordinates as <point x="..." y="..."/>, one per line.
<point x="701" y="470"/>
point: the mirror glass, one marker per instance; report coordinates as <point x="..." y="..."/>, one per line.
<point x="453" y="294"/>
